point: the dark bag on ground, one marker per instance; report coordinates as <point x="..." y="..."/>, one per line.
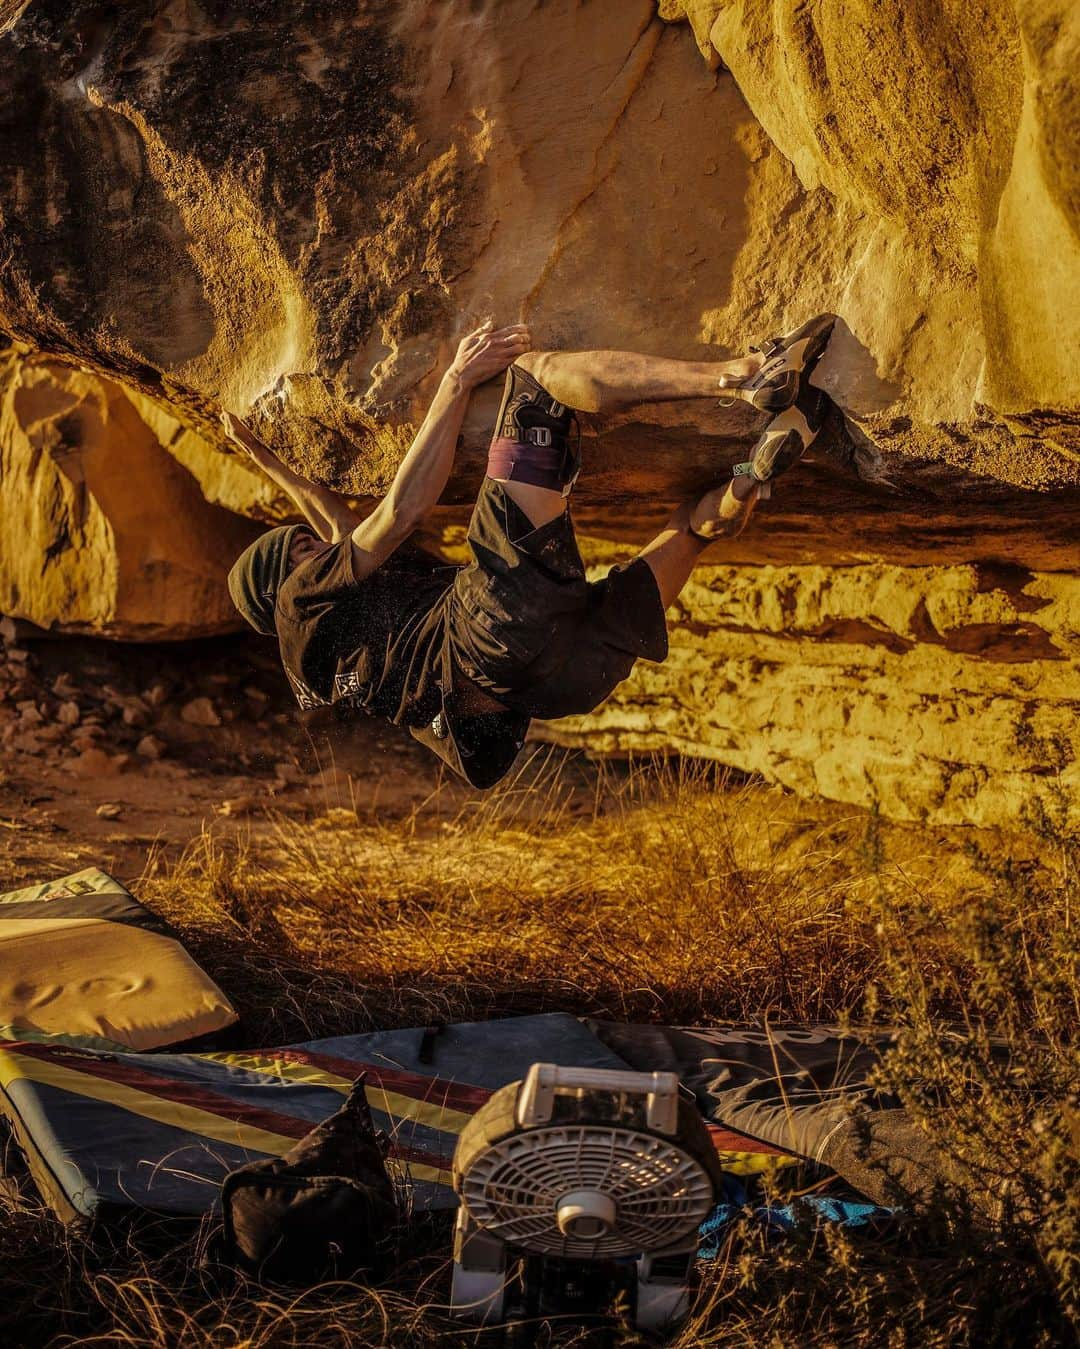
<point x="322" y="1210"/>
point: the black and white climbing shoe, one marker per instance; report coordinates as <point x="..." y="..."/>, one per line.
<point x="786" y="439"/>
<point x="789" y="362"/>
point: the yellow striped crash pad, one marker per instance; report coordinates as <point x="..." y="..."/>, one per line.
<point x="82" y="961"/>
<point x="105" y="1133"/>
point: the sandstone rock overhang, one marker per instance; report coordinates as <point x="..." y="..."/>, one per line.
<point x="291" y="210"/>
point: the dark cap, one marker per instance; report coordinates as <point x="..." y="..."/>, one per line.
<point x="258" y="573"/>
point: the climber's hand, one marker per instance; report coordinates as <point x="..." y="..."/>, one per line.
<point x="242" y="436"/>
<point x="327" y="511"/>
<point x="487" y="352"/>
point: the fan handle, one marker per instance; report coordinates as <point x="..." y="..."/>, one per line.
<point x="545" y="1081"/>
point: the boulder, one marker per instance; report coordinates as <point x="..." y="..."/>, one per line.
<point x="293" y="210"/>
<point x="104" y="530"/>
<point x="946" y="692"/>
<point x="937" y="149"/>
<point x="294" y="215"/>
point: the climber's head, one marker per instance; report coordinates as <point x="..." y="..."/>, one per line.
<point x="260" y="569"/>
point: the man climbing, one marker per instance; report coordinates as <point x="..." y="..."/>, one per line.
<point x="467" y="656"/>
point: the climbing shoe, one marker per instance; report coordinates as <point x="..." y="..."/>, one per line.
<point x="789" y="362"/>
<point x="786" y="439"/>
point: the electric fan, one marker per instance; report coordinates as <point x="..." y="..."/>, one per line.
<point x="581" y="1189"/>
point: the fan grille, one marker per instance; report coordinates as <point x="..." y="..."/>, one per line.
<point x="662" y="1193"/>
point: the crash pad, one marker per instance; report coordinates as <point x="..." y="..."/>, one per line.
<point x="108" y="1133"/>
<point x="82" y="961"/>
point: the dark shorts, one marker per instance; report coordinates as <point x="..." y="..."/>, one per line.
<point x="527" y="625"/>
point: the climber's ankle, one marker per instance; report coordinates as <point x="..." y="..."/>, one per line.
<point x="742" y="367"/>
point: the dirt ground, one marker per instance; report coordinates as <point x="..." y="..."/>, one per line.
<point x="332" y="879"/>
<point x="113" y="755"/>
<point x="110" y="752"/>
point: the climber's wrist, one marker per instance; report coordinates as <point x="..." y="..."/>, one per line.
<point x="453" y="385"/>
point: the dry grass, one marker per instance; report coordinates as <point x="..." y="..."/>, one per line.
<point x="669" y="896"/>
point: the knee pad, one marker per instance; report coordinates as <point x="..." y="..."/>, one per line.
<point x="532" y="441"/>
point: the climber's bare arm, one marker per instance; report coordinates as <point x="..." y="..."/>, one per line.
<point x="325" y="510"/>
<point x="425" y="470"/>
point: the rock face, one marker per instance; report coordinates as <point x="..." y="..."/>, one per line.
<point x="945" y="692"/>
<point x="103" y="529"/>
<point x="938" y="149"/>
<point x="291" y="210"/>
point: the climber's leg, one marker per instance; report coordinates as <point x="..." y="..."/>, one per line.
<point x="533" y="454"/>
<point x="540" y="504"/>
<point x="719" y="514"/>
<point x="605" y="381"/>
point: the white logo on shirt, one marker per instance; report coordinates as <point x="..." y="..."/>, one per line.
<point x="307" y="698"/>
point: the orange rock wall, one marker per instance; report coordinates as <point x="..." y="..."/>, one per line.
<point x="103" y="529"/>
<point x="294" y="215"/>
<point x="945" y="139"/>
<point x="946" y="693"/>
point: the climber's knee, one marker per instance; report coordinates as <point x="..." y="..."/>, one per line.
<point x="533" y="441"/>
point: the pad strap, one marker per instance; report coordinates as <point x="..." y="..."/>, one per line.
<point x="555" y="467"/>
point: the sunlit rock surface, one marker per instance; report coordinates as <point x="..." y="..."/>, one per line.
<point x="103" y="529"/>
<point x="945" y="692"/>
<point x="292" y="210"/>
<point x="296" y="207"/>
<point x="938" y="149"/>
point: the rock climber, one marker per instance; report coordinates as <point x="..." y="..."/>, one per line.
<point x="465" y="657"/>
